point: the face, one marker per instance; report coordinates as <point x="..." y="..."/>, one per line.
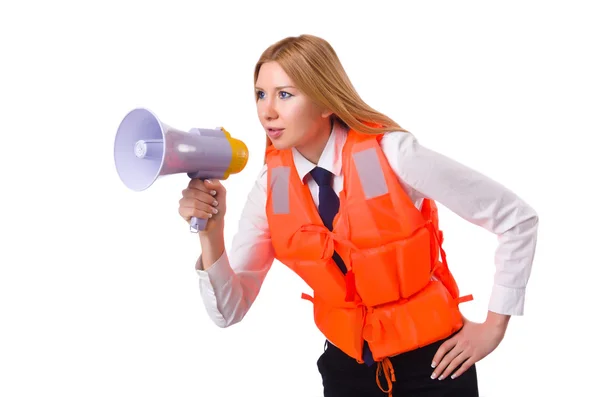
<point x="289" y="117"/>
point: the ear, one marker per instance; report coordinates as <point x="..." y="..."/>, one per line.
<point x="326" y="113"/>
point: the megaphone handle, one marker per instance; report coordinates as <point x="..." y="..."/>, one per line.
<point x="197" y="224"/>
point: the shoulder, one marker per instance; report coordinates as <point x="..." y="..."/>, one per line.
<point x="398" y="142"/>
<point x="402" y="150"/>
<point x="407" y="160"/>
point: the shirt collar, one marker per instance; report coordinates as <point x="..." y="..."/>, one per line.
<point x="331" y="158"/>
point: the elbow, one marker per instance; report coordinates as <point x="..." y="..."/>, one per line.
<point x="530" y="220"/>
<point x="524" y="225"/>
<point x="226" y="323"/>
<point x="534" y="219"/>
<point x="530" y="225"/>
<point x="229" y="313"/>
<point x="222" y="321"/>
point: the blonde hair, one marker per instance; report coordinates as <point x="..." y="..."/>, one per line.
<point x="315" y="68"/>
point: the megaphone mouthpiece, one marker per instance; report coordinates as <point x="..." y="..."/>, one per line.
<point x="150" y="149"/>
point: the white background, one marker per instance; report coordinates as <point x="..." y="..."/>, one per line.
<point x="98" y="294"/>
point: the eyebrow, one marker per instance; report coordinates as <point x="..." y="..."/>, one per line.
<point x="278" y="88"/>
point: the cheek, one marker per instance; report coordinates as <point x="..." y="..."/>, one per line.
<point x="299" y="118"/>
<point x="290" y="113"/>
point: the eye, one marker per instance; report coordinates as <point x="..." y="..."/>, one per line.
<point x="285" y="93"/>
<point x="260" y="94"/>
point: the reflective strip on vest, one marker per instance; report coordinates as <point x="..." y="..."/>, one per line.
<point x="370" y="173"/>
<point x="280" y="184"/>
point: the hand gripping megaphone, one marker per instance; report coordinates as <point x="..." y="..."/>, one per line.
<point x="146" y="149"/>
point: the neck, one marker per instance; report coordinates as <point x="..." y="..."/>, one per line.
<point x="313" y="149"/>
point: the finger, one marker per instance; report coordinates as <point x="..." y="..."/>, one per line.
<point x="463" y="368"/>
<point x="188" y="212"/>
<point x="211" y="186"/>
<point x="189" y="205"/>
<point x="443" y="349"/>
<point x="446" y="360"/>
<point x="199" y="184"/>
<point x="197" y="204"/>
<point x="215" y="185"/>
<point x="201" y="196"/>
<point x="458" y="360"/>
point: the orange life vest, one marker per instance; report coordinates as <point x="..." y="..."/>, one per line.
<point x="397" y="295"/>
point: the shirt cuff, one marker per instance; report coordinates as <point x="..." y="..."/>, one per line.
<point x="507" y="300"/>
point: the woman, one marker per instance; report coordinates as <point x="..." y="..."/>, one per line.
<point x="346" y="199"/>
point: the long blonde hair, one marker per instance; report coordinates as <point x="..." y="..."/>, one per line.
<point x="313" y="65"/>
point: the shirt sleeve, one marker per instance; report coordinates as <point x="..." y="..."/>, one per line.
<point x="230" y="286"/>
<point x="478" y="199"/>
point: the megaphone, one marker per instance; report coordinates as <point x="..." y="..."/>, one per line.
<point x="146" y="149"/>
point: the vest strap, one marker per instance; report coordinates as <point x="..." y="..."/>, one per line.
<point x="429" y="225"/>
<point x="350" y="286"/>
<point x="349" y="276"/>
<point x="463" y="299"/>
<point x="307" y="297"/>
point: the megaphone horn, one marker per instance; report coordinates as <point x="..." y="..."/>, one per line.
<point x="146" y="149"/>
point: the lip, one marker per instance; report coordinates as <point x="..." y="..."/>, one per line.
<point x="274" y="132"/>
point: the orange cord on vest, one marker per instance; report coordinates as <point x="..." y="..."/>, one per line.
<point x="387" y="368"/>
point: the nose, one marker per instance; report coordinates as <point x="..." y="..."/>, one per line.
<point x="267" y="110"/>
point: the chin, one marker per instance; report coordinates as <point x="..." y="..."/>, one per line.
<point x="282" y="144"/>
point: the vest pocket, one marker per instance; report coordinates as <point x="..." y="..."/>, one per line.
<point x="393" y="271"/>
<point x="414" y="262"/>
<point x="427" y="317"/>
<point x="324" y="277"/>
<point x="340" y="325"/>
<point x="376" y="274"/>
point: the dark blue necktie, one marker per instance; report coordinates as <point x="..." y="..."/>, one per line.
<point x="329" y="205"/>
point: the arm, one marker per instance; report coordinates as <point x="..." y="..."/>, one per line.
<point x="230" y="281"/>
<point x="481" y="201"/>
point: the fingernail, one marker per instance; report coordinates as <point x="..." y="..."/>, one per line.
<point x="433" y="375"/>
<point x="441" y="377"/>
<point x="453" y="376"/>
<point x="208" y="180"/>
<point x="215" y="203"/>
<point x="433" y="364"/>
<point x="215" y="210"/>
<point x="213" y="192"/>
<point x="210" y="215"/>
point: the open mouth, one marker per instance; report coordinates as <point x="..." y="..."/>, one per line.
<point x="274" y="132"/>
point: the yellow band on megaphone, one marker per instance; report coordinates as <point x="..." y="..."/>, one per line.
<point x="239" y="155"/>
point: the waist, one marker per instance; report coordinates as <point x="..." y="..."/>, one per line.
<point x="419" y="354"/>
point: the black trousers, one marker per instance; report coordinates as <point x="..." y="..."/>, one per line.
<point x="344" y="377"/>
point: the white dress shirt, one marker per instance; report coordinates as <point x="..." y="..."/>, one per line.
<point x="230" y="286"/>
